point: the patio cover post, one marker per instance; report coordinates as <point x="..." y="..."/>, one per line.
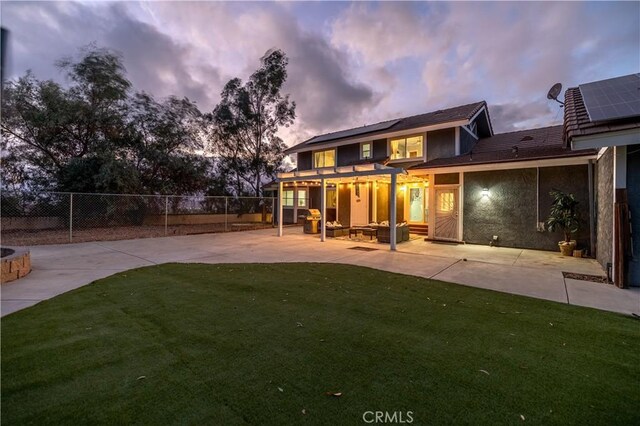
<point x="280" y="189"/>
<point x="392" y="212"/>
<point x="323" y="209"/>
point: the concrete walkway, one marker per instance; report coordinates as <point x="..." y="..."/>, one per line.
<point x="60" y="268"/>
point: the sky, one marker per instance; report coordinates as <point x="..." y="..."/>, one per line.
<point x="350" y="63"/>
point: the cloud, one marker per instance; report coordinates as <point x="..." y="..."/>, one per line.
<point x="319" y="78"/>
<point x="508" y="53"/>
<point x="350" y="64"/>
<point x="43" y="32"/>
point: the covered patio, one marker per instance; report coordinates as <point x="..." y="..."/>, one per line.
<point x="372" y="174"/>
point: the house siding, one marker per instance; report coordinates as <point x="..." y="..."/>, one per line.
<point x="305" y="161"/>
<point x="604" y="215"/>
<point x="466" y="142"/>
<point x="348" y="154"/>
<point x="510" y="210"/>
<point x="441" y="144"/>
<point x="380" y="148"/>
<point x="633" y="195"/>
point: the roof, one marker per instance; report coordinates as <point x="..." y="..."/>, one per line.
<point x="462" y="112"/>
<point x="533" y="144"/>
<point x="577" y="122"/>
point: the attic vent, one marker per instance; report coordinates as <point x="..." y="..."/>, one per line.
<point x="526" y="138"/>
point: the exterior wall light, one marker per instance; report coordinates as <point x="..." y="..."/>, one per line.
<point x="485" y="193"/>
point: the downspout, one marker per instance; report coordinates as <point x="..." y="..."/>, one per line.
<point x="538" y="227"/>
<point x="592" y="219"/>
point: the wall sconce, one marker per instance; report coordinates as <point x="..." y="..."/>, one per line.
<point x="485" y="193"/>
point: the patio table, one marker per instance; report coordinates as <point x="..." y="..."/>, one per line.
<point x="364" y="230"/>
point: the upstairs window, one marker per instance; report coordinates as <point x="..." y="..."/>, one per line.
<point x="402" y="148"/>
<point x="365" y="150"/>
<point x="324" y="158"/>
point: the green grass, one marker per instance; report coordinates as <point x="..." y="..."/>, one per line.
<point x="234" y="344"/>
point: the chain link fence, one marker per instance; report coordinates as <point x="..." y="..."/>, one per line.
<point x="56" y="218"/>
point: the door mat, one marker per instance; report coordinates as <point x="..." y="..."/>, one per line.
<point x="363" y="248"/>
<point x="585" y="277"/>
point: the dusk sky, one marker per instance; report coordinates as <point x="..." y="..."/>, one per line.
<point x="350" y="63"/>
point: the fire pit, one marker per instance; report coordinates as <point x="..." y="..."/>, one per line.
<point x="16" y="263"/>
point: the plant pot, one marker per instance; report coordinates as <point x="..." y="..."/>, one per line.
<point x="567" y="248"/>
<point x="577" y="253"/>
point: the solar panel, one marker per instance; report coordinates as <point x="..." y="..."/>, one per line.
<point x="354" y="132"/>
<point x="612" y="99"/>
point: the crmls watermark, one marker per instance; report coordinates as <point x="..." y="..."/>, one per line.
<point x="400" y="417"/>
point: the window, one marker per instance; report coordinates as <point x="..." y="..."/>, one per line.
<point x="302" y="198"/>
<point x="324" y="158"/>
<point x="331" y="198"/>
<point x="406" y="148"/>
<point x="287" y="198"/>
<point x="365" y="150"/>
<point x="445" y="202"/>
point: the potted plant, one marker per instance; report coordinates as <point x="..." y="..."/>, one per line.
<point x="563" y="217"/>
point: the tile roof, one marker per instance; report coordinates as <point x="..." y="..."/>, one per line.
<point x="533" y="144"/>
<point x="578" y="123"/>
<point x="462" y="112"/>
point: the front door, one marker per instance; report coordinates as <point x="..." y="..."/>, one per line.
<point x="417" y="205"/>
<point x="359" y="204"/>
<point x="446" y="214"/>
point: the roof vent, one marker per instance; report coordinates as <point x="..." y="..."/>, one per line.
<point x="438" y="111"/>
<point x="526" y="138"/>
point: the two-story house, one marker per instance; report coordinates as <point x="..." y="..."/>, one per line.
<point x="446" y="174"/>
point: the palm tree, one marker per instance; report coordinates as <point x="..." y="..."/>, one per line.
<point x="563" y="216"/>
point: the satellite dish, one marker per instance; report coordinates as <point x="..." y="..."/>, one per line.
<point x="554" y="92"/>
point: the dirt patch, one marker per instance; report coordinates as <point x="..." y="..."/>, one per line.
<point x="585" y="277"/>
<point x="53" y="236"/>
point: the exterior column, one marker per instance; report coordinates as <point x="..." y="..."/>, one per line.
<point x="374" y="202"/>
<point x="295" y="203"/>
<point x="323" y="209"/>
<point x="280" y="218"/>
<point x="392" y="211"/>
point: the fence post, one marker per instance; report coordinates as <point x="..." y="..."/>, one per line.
<point x="166" y="215"/>
<point x="71" y="217"/>
<point x="225" y="213"/>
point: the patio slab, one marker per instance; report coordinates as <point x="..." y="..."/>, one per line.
<point x="61" y="268"/>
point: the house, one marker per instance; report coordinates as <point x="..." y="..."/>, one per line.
<point x="446" y="174"/>
<point x="605" y="115"/>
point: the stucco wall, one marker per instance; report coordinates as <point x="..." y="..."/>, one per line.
<point x="510" y="209"/>
<point x="604" y="215"/>
<point x="441" y="144"/>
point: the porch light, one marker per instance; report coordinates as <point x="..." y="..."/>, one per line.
<point x="485" y="193"/>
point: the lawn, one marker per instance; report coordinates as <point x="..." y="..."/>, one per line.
<point x="265" y="344"/>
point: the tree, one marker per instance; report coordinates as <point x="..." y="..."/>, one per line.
<point x="51" y="126"/>
<point x="168" y="145"/>
<point x="96" y="135"/>
<point x="247" y="120"/>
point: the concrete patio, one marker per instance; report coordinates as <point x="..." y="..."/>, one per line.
<point x="60" y="268"/>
